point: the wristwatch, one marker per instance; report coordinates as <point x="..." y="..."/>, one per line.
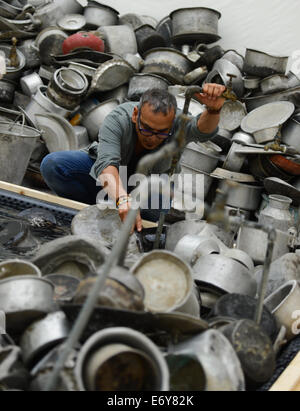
<point x="212" y="111"/>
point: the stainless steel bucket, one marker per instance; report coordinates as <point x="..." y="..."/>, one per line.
<point x="17" y="144"/>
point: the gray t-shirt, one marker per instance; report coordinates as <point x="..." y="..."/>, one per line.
<point x="117" y="139"/>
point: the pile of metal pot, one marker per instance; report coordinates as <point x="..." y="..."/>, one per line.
<point x="187" y="315"/>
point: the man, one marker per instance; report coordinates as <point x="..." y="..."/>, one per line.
<point x="127" y="134"/>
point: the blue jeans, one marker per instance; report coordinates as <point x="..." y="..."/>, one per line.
<point x="67" y="174"/>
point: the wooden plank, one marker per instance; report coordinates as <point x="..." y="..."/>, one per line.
<point x="290" y="378"/>
<point x="53" y="199"/>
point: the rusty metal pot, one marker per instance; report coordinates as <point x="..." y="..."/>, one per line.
<point x="168" y="63"/>
<point x="195" y="24"/>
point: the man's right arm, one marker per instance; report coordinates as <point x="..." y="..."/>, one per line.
<point x="112" y="184"/>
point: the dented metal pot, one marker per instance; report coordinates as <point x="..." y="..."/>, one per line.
<point x="97" y="14"/>
<point x="195" y="24"/>
<point x="168" y="63"/>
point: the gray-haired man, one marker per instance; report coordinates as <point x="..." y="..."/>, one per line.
<point x="127" y="134"/>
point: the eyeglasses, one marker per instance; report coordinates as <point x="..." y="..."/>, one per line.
<point x="149" y="133"/>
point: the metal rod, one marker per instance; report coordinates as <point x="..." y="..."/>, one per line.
<point x="265" y="276"/>
<point x="159" y="230"/>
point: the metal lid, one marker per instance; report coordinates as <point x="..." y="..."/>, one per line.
<point x="72" y="22"/>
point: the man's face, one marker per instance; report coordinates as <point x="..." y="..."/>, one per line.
<point x="156" y="126"/>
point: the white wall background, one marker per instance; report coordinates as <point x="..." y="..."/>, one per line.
<point x="268" y="25"/>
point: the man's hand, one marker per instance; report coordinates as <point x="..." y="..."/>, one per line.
<point x="123" y="212"/>
<point x="212" y="96"/>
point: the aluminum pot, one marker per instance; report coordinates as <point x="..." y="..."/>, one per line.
<point x="148" y="38"/>
<point x="251" y="82"/>
<point x="272" y="84"/>
<point x="290" y="132"/>
<point x="243" y="196"/>
<point x="110" y="75"/>
<point x="232" y="115"/>
<point x="292" y="95"/>
<point x="95" y="117"/>
<point x="42" y="336"/>
<point x="191" y="247"/>
<point x="67" y="88"/>
<point x="195" y="157"/>
<point x="224" y="274"/>
<point x="49" y="42"/>
<point x="157" y="366"/>
<point x="167" y="281"/>
<point x="7" y="91"/>
<point x="206" y="362"/>
<point x="119" y="40"/>
<point x="234" y="161"/>
<point x="195" y="108"/>
<point x="254" y="243"/>
<point x="14" y="268"/>
<point x="97" y="14"/>
<point x="139" y="83"/>
<point x="69" y="6"/>
<point x="13" y="73"/>
<point x="24" y="300"/>
<point x="41" y="104"/>
<point x="168" y="63"/>
<point x="258" y="63"/>
<point x="243" y="138"/>
<point x="284" y="303"/>
<point x="30" y="51"/>
<point x="238" y="307"/>
<point x="165" y="28"/>
<point x="30" y="83"/>
<point x="195" y="24"/>
<point x="235" y="58"/>
<point x="48" y="14"/>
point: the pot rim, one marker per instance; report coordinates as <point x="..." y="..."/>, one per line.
<point x="26" y="278"/>
<point x="168" y="50"/>
<point x="266" y="54"/>
<point x="187" y="9"/>
<point x="292" y="284"/>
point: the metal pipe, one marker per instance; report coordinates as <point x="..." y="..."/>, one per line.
<point x="159" y="230"/>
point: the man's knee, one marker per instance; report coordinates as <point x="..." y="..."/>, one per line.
<point x="48" y="166"/>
